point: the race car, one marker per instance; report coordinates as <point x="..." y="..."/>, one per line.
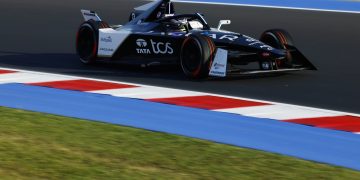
<point x="155" y="35"/>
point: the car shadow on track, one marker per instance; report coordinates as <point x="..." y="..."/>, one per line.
<point x="67" y="63"/>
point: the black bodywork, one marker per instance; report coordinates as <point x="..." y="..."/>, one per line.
<point x="157" y="39"/>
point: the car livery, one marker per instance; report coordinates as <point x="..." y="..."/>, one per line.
<point x="156" y="35"/>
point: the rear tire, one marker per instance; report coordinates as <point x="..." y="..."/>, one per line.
<point x="278" y="39"/>
<point x="87" y="40"/>
<point x="197" y="54"/>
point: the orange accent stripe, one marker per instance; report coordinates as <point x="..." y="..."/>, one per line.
<point x="280" y="37"/>
<point x="211" y="50"/>
<point x="283" y="37"/>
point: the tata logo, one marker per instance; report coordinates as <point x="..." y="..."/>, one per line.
<point x="142" y="44"/>
<point x="161" y="47"/>
<point x="106" y="39"/>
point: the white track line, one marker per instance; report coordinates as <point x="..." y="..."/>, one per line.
<point x="148" y="92"/>
<point x="279" y="112"/>
<point x="267" y="6"/>
<point x="143" y="85"/>
<point x="26" y="77"/>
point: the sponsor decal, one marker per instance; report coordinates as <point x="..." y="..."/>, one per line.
<point x="217" y="73"/>
<point x="264" y="46"/>
<point x="156" y="47"/>
<point x="141" y="43"/>
<point x="253" y="42"/>
<point x="218" y="68"/>
<point x="142" y="47"/>
<point x="89" y="14"/>
<point x="176" y="34"/>
<point x="106" y="39"/>
<point x="161" y="48"/>
<point x="218" y="65"/>
<point x="107" y="49"/>
<point x="143" y="51"/>
<point x="229" y="37"/>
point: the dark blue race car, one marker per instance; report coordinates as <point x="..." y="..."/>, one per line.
<point x="155" y="35"/>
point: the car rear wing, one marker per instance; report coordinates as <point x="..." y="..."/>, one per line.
<point x="89" y="15"/>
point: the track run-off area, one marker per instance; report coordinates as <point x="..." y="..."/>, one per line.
<point x="243" y="122"/>
<point x="41" y="38"/>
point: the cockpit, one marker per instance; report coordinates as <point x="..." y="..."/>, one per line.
<point x="163" y="12"/>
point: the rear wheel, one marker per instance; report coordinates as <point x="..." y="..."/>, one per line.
<point x="87" y="40"/>
<point x="86" y="43"/>
<point x="197" y="54"/>
<point x="278" y="39"/>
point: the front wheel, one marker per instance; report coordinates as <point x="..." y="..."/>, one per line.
<point x="197" y="54"/>
<point x="279" y="39"/>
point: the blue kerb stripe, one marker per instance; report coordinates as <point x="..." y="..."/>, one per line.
<point x="336" y="5"/>
<point x="334" y="147"/>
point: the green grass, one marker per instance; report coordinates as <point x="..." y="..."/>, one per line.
<point x="42" y="146"/>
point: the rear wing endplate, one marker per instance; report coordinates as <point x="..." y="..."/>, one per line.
<point x="90" y="15"/>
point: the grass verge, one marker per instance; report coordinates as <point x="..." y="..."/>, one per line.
<point x="43" y="146"/>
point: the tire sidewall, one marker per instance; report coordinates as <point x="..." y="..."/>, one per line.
<point x="281" y="36"/>
<point x="206" y="56"/>
<point x="282" y="39"/>
<point x="89" y="59"/>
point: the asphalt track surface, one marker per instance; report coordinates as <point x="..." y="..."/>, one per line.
<point x="40" y="35"/>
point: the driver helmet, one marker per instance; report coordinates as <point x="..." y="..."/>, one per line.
<point x="166" y="10"/>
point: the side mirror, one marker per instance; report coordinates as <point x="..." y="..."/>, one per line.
<point x="222" y="22"/>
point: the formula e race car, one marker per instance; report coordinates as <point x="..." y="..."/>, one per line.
<point x="156" y="35"/>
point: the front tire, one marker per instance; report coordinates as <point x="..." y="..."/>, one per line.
<point x="197" y="54"/>
<point x="279" y="39"/>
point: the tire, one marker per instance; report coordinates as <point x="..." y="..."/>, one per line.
<point x="278" y="39"/>
<point x="87" y="40"/>
<point x="197" y="54"/>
